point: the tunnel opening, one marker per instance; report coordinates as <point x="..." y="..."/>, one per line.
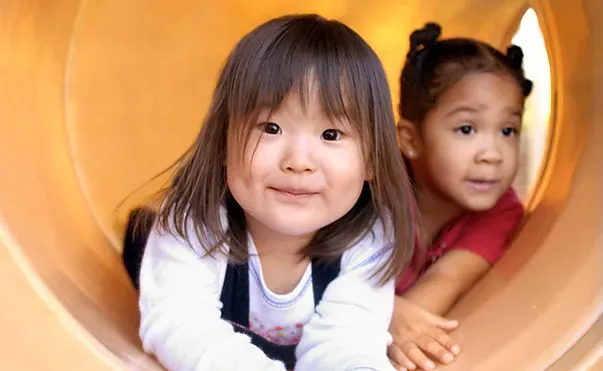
<point x="535" y="135"/>
<point x="507" y="322"/>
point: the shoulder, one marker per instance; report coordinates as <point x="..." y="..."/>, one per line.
<point x="165" y="249"/>
<point x="488" y="233"/>
<point x="173" y="266"/>
<point x="168" y="251"/>
<point x="509" y="201"/>
<point x="372" y="250"/>
<point x="187" y="232"/>
<point x="508" y="210"/>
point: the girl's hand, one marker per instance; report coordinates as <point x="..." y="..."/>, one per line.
<point x="418" y="334"/>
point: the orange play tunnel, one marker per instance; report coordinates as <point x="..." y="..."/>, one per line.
<point x="98" y="96"/>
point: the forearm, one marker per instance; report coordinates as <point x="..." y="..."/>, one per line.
<point x="447" y="280"/>
<point x="436" y="294"/>
<point x="186" y="341"/>
<point x="349" y="330"/>
<point x="180" y="322"/>
<point x="328" y="345"/>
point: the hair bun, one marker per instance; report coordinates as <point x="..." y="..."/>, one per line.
<point x="527" y="87"/>
<point x="515" y="60"/>
<point x="515" y="56"/>
<point x="424" y="37"/>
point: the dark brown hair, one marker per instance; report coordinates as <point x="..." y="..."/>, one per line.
<point x="433" y="66"/>
<point x="286" y="53"/>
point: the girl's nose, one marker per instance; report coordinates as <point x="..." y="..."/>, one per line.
<point x="297" y="157"/>
<point x="489" y="152"/>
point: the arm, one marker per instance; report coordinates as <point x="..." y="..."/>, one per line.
<point x="447" y="280"/>
<point x="482" y="244"/>
<point x="349" y="330"/>
<point x="180" y="312"/>
<point x="416" y="326"/>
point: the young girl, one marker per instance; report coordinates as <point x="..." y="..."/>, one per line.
<point x="461" y="110"/>
<point x="287" y="199"/>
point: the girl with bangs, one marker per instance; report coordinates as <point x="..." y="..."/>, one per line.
<point x="273" y="247"/>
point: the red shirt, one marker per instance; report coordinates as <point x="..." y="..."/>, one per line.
<point x="486" y="233"/>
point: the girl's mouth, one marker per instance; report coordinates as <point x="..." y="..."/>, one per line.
<point x="482" y="184"/>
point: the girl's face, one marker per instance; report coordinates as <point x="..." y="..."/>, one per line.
<point x="467" y="147"/>
<point x="304" y="173"/>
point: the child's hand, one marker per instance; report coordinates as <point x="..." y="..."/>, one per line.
<point x="419" y="334"/>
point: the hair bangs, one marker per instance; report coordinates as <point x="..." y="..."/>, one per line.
<point x="301" y="58"/>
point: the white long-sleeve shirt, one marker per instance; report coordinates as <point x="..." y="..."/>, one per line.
<point x="181" y="320"/>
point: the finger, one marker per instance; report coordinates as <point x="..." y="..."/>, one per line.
<point x="397" y="356"/>
<point x="441" y="322"/>
<point x="397" y="366"/>
<point x="433" y="348"/>
<point x="446" y="341"/>
<point x="448" y="324"/>
<point x="417" y="356"/>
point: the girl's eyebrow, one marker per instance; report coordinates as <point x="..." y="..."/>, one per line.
<point x="515" y="111"/>
<point x="474" y="109"/>
<point x="465" y="108"/>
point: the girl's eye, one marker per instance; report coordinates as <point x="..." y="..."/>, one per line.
<point x="465" y="130"/>
<point x="507" y="132"/>
<point x="331" y="134"/>
<point x="271" y="128"/>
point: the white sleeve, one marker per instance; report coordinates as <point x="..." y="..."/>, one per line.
<point x="349" y="330"/>
<point x="180" y="312"/>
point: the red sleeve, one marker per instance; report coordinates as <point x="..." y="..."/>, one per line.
<point x="489" y="232"/>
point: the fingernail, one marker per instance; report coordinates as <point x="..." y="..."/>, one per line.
<point x="448" y="357"/>
<point x="429" y="365"/>
<point x="455" y="349"/>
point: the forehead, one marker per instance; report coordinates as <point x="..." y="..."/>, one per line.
<point x="482" y="91"/>
<point x="295" y="103"/>
<point x="311" y="102"/>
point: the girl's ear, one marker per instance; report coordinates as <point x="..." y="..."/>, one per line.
<point x="409" y="140"/>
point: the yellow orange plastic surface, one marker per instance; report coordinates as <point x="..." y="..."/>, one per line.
<point x="98" y="96"/>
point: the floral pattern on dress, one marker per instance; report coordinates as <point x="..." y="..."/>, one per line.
<point x="282" y="335"/>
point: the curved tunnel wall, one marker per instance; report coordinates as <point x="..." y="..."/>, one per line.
<point x="163" y="51"/>
<point x="98" y="96"/>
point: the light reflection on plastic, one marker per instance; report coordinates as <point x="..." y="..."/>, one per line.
<point x="538" y="106"/>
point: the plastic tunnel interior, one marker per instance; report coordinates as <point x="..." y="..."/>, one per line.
<point x="96" y="97"/>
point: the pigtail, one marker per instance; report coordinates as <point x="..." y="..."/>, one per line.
<point x="515" y="60"/>
<point x="515" y="56"/>
<point x="423" y="38"/>
<point x="420" y="41"/>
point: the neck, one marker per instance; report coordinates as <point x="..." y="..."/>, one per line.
<point x="269" y="242"/>
<point x="436" y="211"/>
